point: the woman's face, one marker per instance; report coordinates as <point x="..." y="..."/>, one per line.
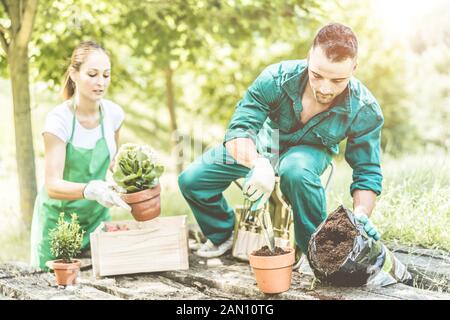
<point x="94" y="76"/>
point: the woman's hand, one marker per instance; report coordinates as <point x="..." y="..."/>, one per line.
<point x="103" y="193"/>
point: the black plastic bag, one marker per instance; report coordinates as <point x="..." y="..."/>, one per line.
<point x="368" y="262"/>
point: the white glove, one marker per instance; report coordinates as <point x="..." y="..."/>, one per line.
<point x="260" y="181"/>
<point x="101" y="192"/>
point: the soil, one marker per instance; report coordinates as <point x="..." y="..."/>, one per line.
<point x="265" y="252"/>
<point x="334" y="242"/>
<point x="112" y="227"/>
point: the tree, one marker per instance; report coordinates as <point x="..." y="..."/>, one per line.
<point x="14" y="38"/>
<point x="174" y="36"/>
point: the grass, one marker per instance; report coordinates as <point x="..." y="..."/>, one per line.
<point x="415" y="208"/>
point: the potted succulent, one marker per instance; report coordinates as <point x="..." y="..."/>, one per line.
<point x="136" y="172"/>
<point x="65" y="244"/>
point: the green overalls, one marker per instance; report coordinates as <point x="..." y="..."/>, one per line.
<point x="269" y="114"/>
<point x="81" y="165"/>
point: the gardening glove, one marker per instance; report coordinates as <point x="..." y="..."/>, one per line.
<point x="259" y="182"/>
<point x="368" y="226"/>
<point x="102" y="192"/>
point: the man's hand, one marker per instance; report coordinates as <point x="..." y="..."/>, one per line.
<point x="259" y="182"/>
<point x="370" y="229"/>
<point x="101" y="192"/>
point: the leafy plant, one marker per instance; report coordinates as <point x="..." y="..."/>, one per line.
<point x="66" y="238"/>
<point x="136" y="168"/>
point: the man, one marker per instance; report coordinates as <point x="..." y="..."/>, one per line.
<point x="309" y="106"/>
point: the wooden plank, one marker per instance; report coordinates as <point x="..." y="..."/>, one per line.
<point x="42" y="286"/>
<point x="236" y="277"/>
<point x="152" y="287"/>
<point x="429" y="267"/>
<point x="435" y="253"/>
<point x="428" y="272"/>
<point x="397" y="291"/>
<point x="21" y="283"/>
<point x="219" y="278"/>
<point x="14" y="269"/>
<point x="146" y="287"/>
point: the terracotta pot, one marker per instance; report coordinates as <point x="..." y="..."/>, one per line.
<point x="273" y="273"/>
<point x="66" y="273"/>
<point x="145" y="204"/>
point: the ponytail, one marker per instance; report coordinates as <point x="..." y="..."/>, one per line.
<point x="68" y="88"/>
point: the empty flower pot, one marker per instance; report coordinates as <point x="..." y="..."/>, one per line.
<point x="146" y="204"/>
<point x="273" y="273"/>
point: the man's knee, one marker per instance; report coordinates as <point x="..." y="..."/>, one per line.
<point x="186" y="180"/>
<point x="298" y="177"/>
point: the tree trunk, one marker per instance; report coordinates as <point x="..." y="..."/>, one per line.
<point x="18" y="67"/>
<point x="178" y="146"/>
<point x="14" y="41"/>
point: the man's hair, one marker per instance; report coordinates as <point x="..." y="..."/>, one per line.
<point x="337" y="41"/>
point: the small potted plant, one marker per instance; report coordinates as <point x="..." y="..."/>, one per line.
<point x="65" y="244"/>
<point x="137" y="171"/>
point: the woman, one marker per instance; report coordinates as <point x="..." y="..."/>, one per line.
<point x="80" y="138"/>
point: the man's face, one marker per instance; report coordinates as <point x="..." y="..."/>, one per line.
<point x="328" y="79"/>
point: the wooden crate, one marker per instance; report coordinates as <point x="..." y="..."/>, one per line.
<point x="157" y="245"/>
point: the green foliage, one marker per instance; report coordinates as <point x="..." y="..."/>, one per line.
<point x="215" y="50"/>
<point x="66" y="238"/>
<point x="61" y="25"/>
<point x="430" y="69"/>
<point x="136" y="168"/>
<point x="246" y="39"/>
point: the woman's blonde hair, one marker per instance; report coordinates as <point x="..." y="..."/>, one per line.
<point x="79" y="56"/>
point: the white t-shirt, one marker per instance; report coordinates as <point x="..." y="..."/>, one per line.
<point x="59" y="122"/>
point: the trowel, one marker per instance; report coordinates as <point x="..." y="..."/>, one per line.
<point x="266" y="221"/>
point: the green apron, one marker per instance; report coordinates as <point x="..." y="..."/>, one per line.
<point x="82" y="165"/>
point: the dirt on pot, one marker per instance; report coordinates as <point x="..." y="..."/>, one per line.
<point x="335" y="241"/>
<point x="265" y="252"/>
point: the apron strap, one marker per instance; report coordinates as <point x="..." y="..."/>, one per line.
<point x="101" y="119"/>
<point x="74" y="106"/>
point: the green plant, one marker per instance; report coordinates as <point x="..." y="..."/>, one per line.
<point x="66" y="238"/>
<point x="136" y="168"/>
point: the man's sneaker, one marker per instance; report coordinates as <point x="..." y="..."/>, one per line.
<point x="210" y="250"/>
<point x="194" y="245"/>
